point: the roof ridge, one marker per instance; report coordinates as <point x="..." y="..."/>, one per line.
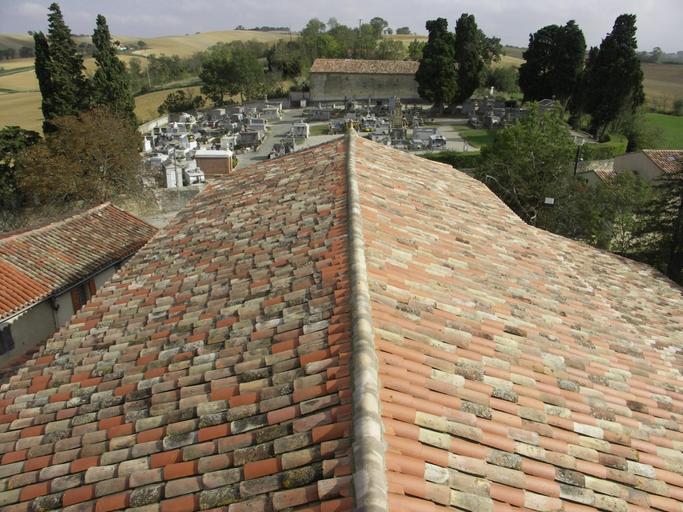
<point x="369" y="480"/>
<point x="59" y="222"/>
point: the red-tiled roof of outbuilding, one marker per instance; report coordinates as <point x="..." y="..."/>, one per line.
<point x="351" y="326"/>
<point x="37" y="263"/>
<point x="668" y="160"/>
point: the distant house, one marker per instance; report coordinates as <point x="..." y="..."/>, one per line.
<point x="49" y="273"/>
<point x="650" y="164"/>
<point x="339" y="79"/>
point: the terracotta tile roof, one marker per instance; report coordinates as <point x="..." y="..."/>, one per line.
<point x="350" y="322"/>
<point x="358" y="66"/>
<point x="43" y="261"/>
<point x="606" y="175"/>
<point x="668" y="160"/>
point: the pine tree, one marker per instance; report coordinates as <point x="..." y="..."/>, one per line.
<point x="70" y="91"/>
<point x="110" y="85"/>
<point x="468" y="56"/>
<point x="437" y="77"/>
<point x="613" y="82"/>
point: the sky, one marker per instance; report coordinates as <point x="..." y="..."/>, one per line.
<point x="659" y="21"/>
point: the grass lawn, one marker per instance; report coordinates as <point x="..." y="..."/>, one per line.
<point x="475" y="136"/>
<point x="319" y="129"/>
<point x="672" y="130"/>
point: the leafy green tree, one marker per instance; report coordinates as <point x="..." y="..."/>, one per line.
<point x="366" y="41"/>
<point x="247" y="74"/>
<point x="13" y="140"/>
<point x="613" y="81"/>
<point x="91" y="158"/>
<point x="553" y="63"/>
<point x="345" y="38"/>
<point x="661" y="229"/>
<point x="389" y="49"/>
<point x="215" y="73"/>
<point x="468" y="56"/>
<point x="110" y="84"/>
<point x="379" y="24"/>
<point x="437" y="77"/>
<point x="415" y="49"/>
<point x="181" y="101"/>
<point x="529" y="161"/>
<point x="503" y="79"/>
<point x="70" y="92"/>
<point x="286" y="57"/>
<point x="403" y="30"/>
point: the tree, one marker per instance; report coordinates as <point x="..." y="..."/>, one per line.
<point x="553" y="63"/>
<point x="110" y="85"/>
<point x="613" y="80"/>
<point x="43" y="65"/>
<point x="389" y="49"/>
<point x="26" y="52"/>
<point x="468" y="56"/>
<point x="436" y="76"/>
<point x="215" y="73"/>
<point x="661" y="229"/>
<point x="403" y="30"/>
<point x="13" y="140"/>
<point x="246" y="74"/>
<point x="181" y="101"/>
<point x="366" y="41"/>
<point x="379" y="24"/>
<point x="529" y="161"/>
<point x="70" y="89"/>
<point x="503" y="79"/>
<point x="91" y="157"/>
<point x="415" y="49"/>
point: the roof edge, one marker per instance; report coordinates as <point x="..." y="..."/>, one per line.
<point x="369" y="476"/>
<point x="71" y="218"/>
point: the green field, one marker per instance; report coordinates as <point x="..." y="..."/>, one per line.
<point x="476" y="137"/>
<point x="671" y="128"/>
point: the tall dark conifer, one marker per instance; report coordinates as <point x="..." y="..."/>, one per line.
<point x="553" y="63"/>
<point x="613" y="82"/>
<point x="44" y="75"/>
<point x="110" y="86"/>
<point x="468" y="56"/>
<point x="70" y="94"/>
<point x="436" y="77"/>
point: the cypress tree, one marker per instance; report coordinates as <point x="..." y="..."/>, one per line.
<point x="44" y="75"/>
<point x="70" y="91"/>
<point x="437" y="77"/>
<point x="553" y="63"/>
<point x="110" y="84"/>
<point x="613" y="79"/>
<point x="468" y="56"/>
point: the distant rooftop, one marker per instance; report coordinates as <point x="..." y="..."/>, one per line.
<point x="668" y="160"/>
<point x="357" y="66"/>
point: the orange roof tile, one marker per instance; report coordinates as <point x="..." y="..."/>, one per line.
<point x="346" y="308"/>
<point x="668" y="160"/>
<point x="46" y="260"/>
<point x="359" y="66"/>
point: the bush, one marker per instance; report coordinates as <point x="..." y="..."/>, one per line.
<point x="615" y="146"/>
<point x="455" y="158"/>
<point x="678" y="107"/>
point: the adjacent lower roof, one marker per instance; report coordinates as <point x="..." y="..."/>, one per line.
<point x="38" y="263"/>
<point x="357" y="66"/>
<point x="353" y="326"/>
<point x="668" y="160"/>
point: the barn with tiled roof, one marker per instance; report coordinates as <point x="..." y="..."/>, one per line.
<point x="347" y="79"/>
<point x="353" y="327"/>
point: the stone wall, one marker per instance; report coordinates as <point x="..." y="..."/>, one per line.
<point x="337" y="86"/>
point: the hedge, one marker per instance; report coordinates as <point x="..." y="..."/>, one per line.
<point x="604" y="150"/>
<point x="457" y="159"/>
